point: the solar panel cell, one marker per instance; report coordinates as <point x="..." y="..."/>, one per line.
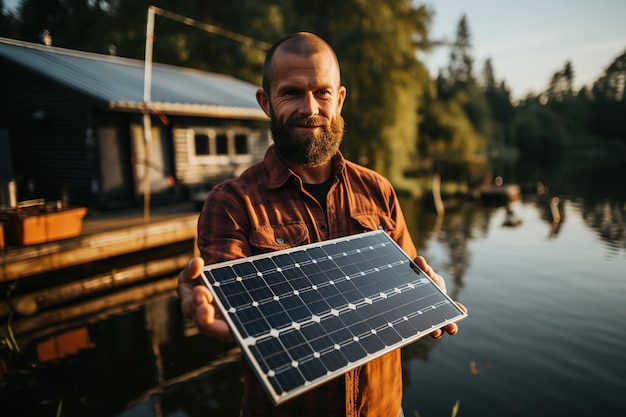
<point x="353" y="351"/>
<point x="311" y="369"/>
<point x="333" y="359"/>
<point x="244" y="269"/>
<point x="275" y="314"/>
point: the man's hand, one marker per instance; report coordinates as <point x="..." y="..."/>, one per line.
<point x="198" y="303"/>
<point x="451" y="328"/>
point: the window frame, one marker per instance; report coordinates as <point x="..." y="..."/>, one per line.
<point x="213" y="135"/>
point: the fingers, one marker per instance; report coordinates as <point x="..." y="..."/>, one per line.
<point x="423" y="265"/>
<point x="201" y="296"/>
<point x="198" y="304"/>
<point x="187" y="285"/>
<point x="451" y="328"/>
<point x="209" y="323"/>
<point x="437" y="334"/>
<point x="437" y="279"/>
<point x="192" y="269"/>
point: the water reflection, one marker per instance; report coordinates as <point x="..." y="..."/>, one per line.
<point x="608" y="218"/>
<point x="595" y="184"/>
<point x="123" y="362"/>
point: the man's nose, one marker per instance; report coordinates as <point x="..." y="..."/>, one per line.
<point x="308" y="105"/>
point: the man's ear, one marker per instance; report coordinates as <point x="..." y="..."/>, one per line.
<point x="264" y="101"/>
<point x="342" y="92"/>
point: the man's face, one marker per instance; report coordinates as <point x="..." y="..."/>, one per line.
<point x="305" y="108"/>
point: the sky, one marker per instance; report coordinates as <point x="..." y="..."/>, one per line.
<point x="528" y="41"/>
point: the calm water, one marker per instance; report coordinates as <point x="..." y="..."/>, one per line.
<point x="545" y="336"/>
<point x="546" y="333"/>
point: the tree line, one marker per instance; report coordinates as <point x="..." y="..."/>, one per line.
<point x="396" y="113"/>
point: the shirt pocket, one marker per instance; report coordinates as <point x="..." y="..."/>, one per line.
<point x="279" y="236"/>
<point x="371" y="222"/>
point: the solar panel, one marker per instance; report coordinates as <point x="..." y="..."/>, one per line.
<point x="308" y="314"/>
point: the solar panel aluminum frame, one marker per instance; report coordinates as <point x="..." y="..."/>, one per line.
<point x="418" y="281"/>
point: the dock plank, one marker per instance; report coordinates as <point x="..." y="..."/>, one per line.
<point x="27" y="261"/>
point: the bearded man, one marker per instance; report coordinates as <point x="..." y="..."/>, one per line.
<point x="303" y="191"/>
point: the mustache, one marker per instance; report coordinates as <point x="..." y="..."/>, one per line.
<point x="306" y="121"/>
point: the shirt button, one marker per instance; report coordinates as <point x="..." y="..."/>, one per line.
<point x="323" y="227"/>
<point x="280" y="240"/>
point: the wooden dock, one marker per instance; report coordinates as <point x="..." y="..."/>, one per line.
<point x="116" y="262"/>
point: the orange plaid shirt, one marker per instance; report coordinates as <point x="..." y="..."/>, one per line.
<point x="268" y="209"/>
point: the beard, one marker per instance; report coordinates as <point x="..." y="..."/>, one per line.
<point x="307" y="149"/>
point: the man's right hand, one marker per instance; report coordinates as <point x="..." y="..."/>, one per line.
<point x="198" y="303"/>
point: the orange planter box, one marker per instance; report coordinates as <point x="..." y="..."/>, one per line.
<point x="45" y="227"/>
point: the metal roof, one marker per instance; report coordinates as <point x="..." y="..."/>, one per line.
<point x="120" y="82"/>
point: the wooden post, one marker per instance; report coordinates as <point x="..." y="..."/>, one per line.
<point x="147" y="125"/>
<point x="554" y="208"/>
<point x="437" y="195"/>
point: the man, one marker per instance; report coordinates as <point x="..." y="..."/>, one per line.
<point x="302" y="192"/>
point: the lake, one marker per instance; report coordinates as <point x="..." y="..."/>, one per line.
<point x="545" y="335"/>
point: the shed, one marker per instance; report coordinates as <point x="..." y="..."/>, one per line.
<point x="74" y="122"/>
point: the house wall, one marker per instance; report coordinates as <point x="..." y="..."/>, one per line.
<point x="199" y="169"/>
<point x="50" y="135"/>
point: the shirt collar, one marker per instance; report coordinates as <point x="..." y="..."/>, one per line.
<point x="279" y="173"/>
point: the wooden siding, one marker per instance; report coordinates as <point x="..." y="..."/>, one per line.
<point x="192" y="172"/>
<point x="48" y="126"/>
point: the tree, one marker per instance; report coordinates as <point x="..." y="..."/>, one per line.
<point x="8" y="22"/>
<point x="609" y="101"/>
<point x="538" y="131"/>
<point x="465" y="134"/>
<point x="75" y="24"/>
<point x="561" y="84"/>
<point x="460" y="68"/>
<point x="447" y="133"/>
<point x="489" y="78"/>
<point x="498" y="98"/>
<point x="612" y="84"/>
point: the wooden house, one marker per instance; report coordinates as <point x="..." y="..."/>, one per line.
<point x="74" y="126"/>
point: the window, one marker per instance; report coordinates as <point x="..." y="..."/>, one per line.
<point x="241" y="144"/>
<point x="219" y="145"/>
<point x="201" y="143"/>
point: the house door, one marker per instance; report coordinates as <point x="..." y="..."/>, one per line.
<point x="115" y="176"/>
<point x="156" y="162"/>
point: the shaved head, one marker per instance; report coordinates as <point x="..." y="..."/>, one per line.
<point x="300" y="43"/>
